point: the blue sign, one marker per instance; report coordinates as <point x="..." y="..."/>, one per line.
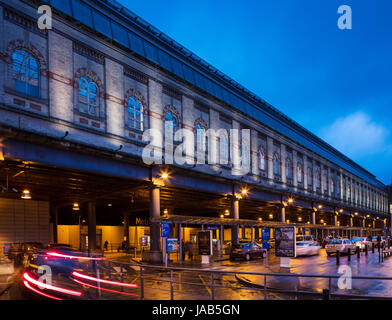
<point x="266" y="234"/>
<point x="266" y="245"/>
<point x="171" y="245"/>
<point x="212" y="228"/>
<point x="165" y="229"/>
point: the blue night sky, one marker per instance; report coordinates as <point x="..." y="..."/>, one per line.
<point x="336" y="83"/>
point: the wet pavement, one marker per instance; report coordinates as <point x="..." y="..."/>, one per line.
<point x="322" y="265"/>
<point x="158" y="284"/>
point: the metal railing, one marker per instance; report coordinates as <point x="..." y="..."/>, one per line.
<point x="170" y="277"/>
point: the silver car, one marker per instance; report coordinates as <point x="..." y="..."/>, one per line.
<point x="341" y="245"/>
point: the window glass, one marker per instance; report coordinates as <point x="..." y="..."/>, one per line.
<point x="88" y="96"/>
<point x="26" y="71"/>
<point x="135" y="113"/>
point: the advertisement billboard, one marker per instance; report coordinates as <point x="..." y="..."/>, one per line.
<point x="204" y="240"/>
<point x="172" y="245"/>
<point x="285" y="242"/>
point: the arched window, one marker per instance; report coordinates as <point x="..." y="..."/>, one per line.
<point x="299" y="172"/>
<point x="88" y="96"/>
<point x="261" y="160"/>
<point x="170" y="116"/>
<point x="289" y="169"/>
<point x="223" y="149"/>
<point x="276" y="165"/>
<point x="200" y="136"/>
<point x="135" y="113"/>
<point x="26" y="72"/>
<point x="245" y="155"/>
<point x="310" y="177"/>
<point x="318" y="178"/>
<point x="332" y="186"/>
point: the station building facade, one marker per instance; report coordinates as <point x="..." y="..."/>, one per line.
<point x="79" y="97"/>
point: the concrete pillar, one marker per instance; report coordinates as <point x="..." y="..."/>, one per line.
<point x="295" y="173"/>
<point x="155" y="212"/>
<point x="235" y="208"/>
<point x="222" y="239"/>
<point x="55" y="213"/>
<point x="270" y="152"/>
<point x="351" y="222"/>
<point x="126" y="227"/>
<point x="92" y="226"/>
<point x="180" y="240"/>
<point x="283" y="214"/>
<point x="283" y="162"/>
<point x="313" y="220"/>
<point x="305" y="172"/>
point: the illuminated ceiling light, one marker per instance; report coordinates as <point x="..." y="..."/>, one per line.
<point x="165" y="212"/>
<point x="325" y="224"/>
<point x="320" y="206"/>
<point x="227" y="213"/>
<point x="26" y="195"/>
<point x="341" y="210"/>
<point x="356" y="213"/>
<point x="290" y="200"/>
<point x="322" y="221"/>
<point x="76" y="207"/>
<point x="299" y="218"/>
<point x="222" y="216"/>
<point x="368" y="216"/>
<point x="110" y="205"/>
<point x="260" y="219"/>
<point x="288" y="221"/>
<point x="308" y="222"/>
<point x="271" y="216"/>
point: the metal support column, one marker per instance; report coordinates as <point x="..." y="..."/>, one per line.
<point x="92" y="226"/>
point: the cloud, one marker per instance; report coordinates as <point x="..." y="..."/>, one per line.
<point x="356" y="135"/>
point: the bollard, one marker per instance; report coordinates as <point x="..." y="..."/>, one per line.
<point x="325" y="294"/>
<point x="366" y="249"/>
<point x="373" y="247"/>
<point x="337" y="257"/>
<point x="349" y="255"/>
<point x="358" y="252"/>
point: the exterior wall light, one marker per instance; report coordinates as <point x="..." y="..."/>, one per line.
<point x="76" y="207"/>
<point x="26" y="195"/>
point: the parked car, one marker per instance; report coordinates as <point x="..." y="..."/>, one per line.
<point x="20" y="252"/>
<point x="374" y="240"/>
<point x="341" y="245"/>
<point x="248" y="251"/>
<point x="307" y="248"/>
<point x="307" y="238"/>
<point x="361" y="242"/>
